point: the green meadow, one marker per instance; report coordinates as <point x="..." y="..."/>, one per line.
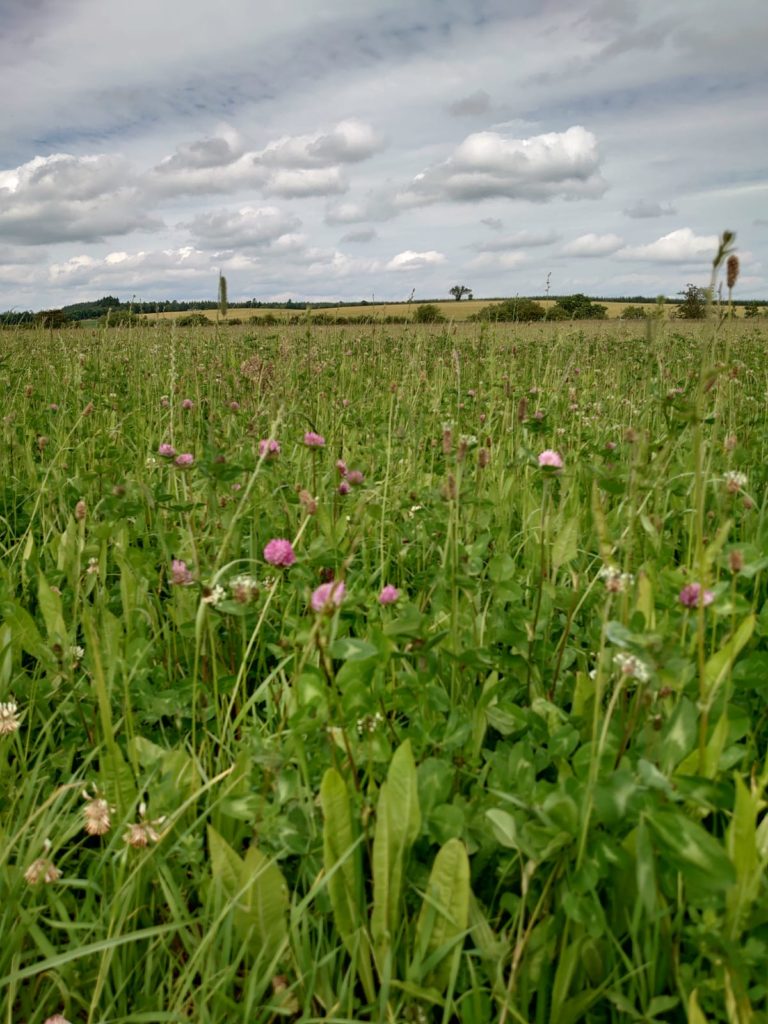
<point x="482" y="740"/>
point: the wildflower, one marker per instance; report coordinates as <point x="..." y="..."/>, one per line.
<point x="730" y="442"/>
<point x="9" y="719"/>
<point x="734" y="481"/>
<point x="369" y="723"/>
<point x="77" y="654"/>
<point x="53" y="407"/>
<point x="244" y="588"/>
<point x="234" y="406"/>
<point x="313" y="440"/>
<point x="355" y="477"/>
<point x="632" y="666"/>
<point x="151" y="462"/>
<point x="735" y="561"/>
<point x="693" y="595"/>
<point x="269" y="448"/>
<point x="93" y="567"/>
<point x="341" y="466"/>
<point x="57" y="1018"/>
<point x="88" y="409"/>
<point x="616" y="581"/>
<point x="214" y="595"/>
<point x="166" y="450"/>
<point x="180" y="574"/>
<point x="81" y="510"/>
<point x="97" y="815"/>
<point x="551" y="459"/>
<point x="539" y="414"/>
<point x="483" y="458"/>
<point x="187" y="404"/>
<point x="165" y="402"/>
<point x="185" y="459"/>
<point x="343" y="487"/>
<point x="389" y="594"/>
<point x="328" y="596"/>
<point x="42" y="869"/>
<point x="279" y="552"/>
<point x="142" y="832"/>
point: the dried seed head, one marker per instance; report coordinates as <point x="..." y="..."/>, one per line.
<point x="732" y="271"/>
<point x="735" y="561"/>
<point x="81" y="511"/>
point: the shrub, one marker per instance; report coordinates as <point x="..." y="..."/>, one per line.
<point x="633" y="313"/>
<point x="512" y="311"/>
<point x="579" y="307"/>
<point x="193" y="320"/>
<point x="428" y="313"/>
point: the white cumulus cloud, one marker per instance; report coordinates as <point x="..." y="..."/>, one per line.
<point x="490" y="165"/>
<point x="247" y="227"/>
<point x="593" y="245"/>
<point x="681" y="246"/>
<point x="410" y="260"/>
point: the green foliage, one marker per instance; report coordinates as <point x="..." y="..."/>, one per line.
<point x="634" y="313"/>
<point x="578" y="307"/>
<point x="694" y="303"/>
<point x="193" y="320"/>
<point x="531" y="788"/>
<point x="512" y="311"/>
<point x="428" y="313"/>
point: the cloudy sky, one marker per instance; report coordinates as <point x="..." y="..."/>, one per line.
<point x="348" y="150"/>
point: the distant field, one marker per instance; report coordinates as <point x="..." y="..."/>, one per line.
<point x="451" y="309"/>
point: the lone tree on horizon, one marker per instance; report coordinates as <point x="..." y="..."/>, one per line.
<point x="459" y="290"/>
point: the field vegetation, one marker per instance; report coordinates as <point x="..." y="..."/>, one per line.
<point x="411" y="673"/>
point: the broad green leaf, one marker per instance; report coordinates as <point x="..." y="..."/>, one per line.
<point x="743" y="851"/>
<point x="226" y="865"/>
<point x="342" y="862"/>
<point x="257" y="891"/>
<point x="398" y="822"/>
<point x="645" y="869"/>
<point x="50" y="609"/>
<point x="691" y="849"/>
<point x="444" y="914"/>
<point x="262" y="911"/>
<point x="720" y="663"/>
<point x="565" y="545"/>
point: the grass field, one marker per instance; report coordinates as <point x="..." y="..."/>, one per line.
<point x="384" y="674"/>
<point x="452" y="310"/>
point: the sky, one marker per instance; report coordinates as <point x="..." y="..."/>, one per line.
<point x="338" y="150"/>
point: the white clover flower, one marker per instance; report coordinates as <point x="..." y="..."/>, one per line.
<point x="244" y="588"/>
<point x="632" y="666"/>
<point x="215" y="596"/>
<point x="616" y="581"/>
<point x="734" y="480"/>
<point x="9" y="719"/>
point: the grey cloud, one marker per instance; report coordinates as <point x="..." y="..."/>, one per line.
<point x="494" y="223"/>
<point x="364" y="235"/>
<point x="217" y="151"/>
<point x="645" y="208"/>
<point x="349" y="141"/>
<point x="247" y="227"/>
<point x="478" y="102"/>
<point x="373" y="207"/>
<point x="519" y="240"/>
<point x="304" y="182"/>
<point x="63" y="198"/>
